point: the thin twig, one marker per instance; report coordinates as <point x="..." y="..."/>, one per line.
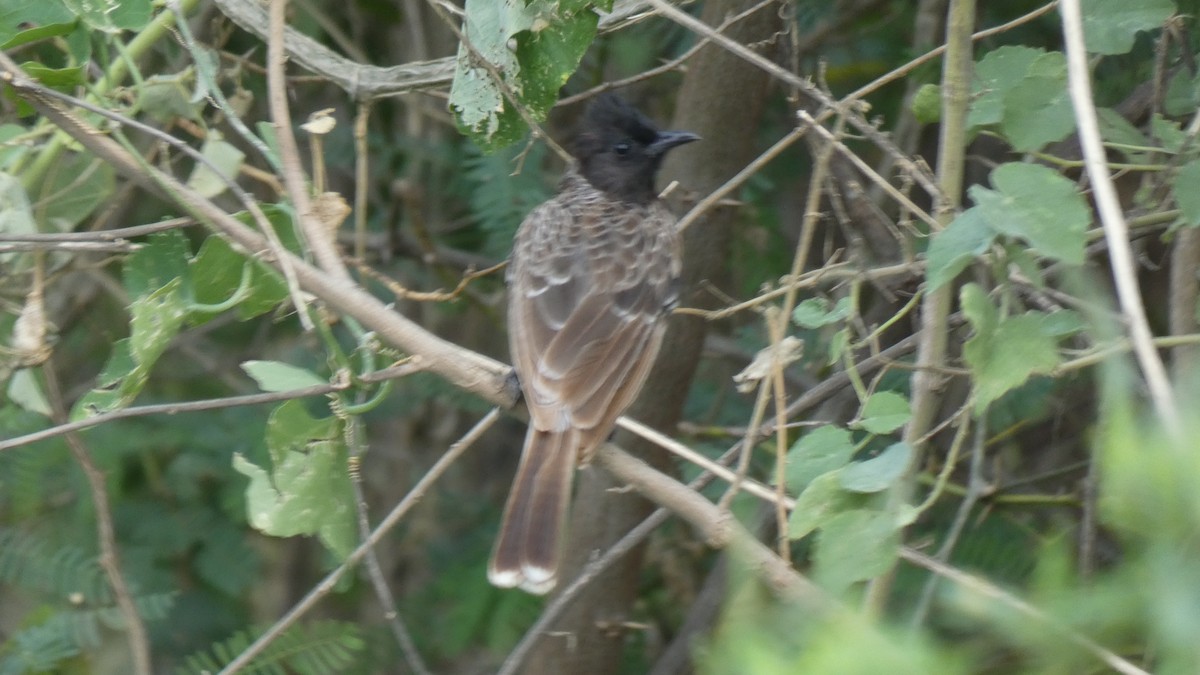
<point x="114" y="235"/>
<point x="383" y="592"/>
<point x="715" y="468"/>
<point x="71" y="246"/>
<point x="110" y="560"/>
<point x="1116" y="231"/>
<point x="362" y="177"/>
<point x="326" y="585"/>
<point x="319" y="239"/>
<point x="409" y="367"/>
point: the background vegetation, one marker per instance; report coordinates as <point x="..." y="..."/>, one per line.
<point x="925" y="407"/>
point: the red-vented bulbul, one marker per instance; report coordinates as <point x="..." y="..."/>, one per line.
<point x="592" y="275"/>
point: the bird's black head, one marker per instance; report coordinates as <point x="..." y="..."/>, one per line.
<point x="619" y="150"/>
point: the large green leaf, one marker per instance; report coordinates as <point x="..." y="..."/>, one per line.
<point x="534" y="46"/>
<point x="1005" y="352"/>
<point x="156" y="277"/>
<point x="307" y="490"/>
<point x="997" y="73"/>
<point x="877" y="473"/>
<point x="816" y="312"/>
<point x="162" y="258"/>
<point x="1038" y="205"/>
<point x="111" y="16"/>
<point x="23" y="21"/>
<point x="820" y="501"/>
<point x="854" y="546"/>
<point x="1110" y="26"/>
<point x="75" y="186"/>
<point x="1038" y="111"/>
<point x="218" y="272"/>
<point x="819" y="451"/>
<point x="884" y="412"/>
<point x="16" y="214"/>
<point x="1022" y="92"/>
<point x="278" y="376"/>
<point x="965" y="238"/>
<point x="222" y="155"/>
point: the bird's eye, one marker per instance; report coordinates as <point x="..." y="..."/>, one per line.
<point x="621" y="148"/>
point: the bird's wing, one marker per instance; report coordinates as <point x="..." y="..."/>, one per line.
<point x="588" y="290"/>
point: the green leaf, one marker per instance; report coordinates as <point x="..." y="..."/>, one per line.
<point x="1038" y="205"/>
<point x="878" y="473"/>
<point x="10" y="148"/>
<point x="308" y="489"/>
<point x="978" y="309"/>
<point x="225" y="157"/>
<point x="290" y="427"/>
<point x="1062" y="323"/>
<point x="1116" y="129"/>
<point x="997" y="73"/>
<point x="1004" y="353"/>
<point x="116" y="385"/>
<point x="1168" y="133"/>
<point x="74" y="187"/>
<point x="163" y="257"/>
<point x="157" y="277"/>
<point x="839" y="342"/>
<point x="535" y="46"/>
<point x="277" y="376"/>
<point x="966" y="237"/>
<point x="304" y="495"/>
<point x="1022" y="91"/>
<point x="16" y="214"/>
<point x="1110" y="26"/>
<point x="821" y="500"/>
<point x="1182" y="95"/>
<point x="216" y="272"/>
<point x="884" y="412"/>
<point x="56" y="78"/>
<point x="165" y="97"/>
<point x="855" y="546"/>
<point x="25" y="391"/>
<point x="819" y="451"/>
<point x="1038" y="111"/>
<point x="154" y="320"/>
<point x="24" y="21"/>
<point x="112" y="16"/>
<point x="815" y="312"/>
<point x="1186" y="186"/>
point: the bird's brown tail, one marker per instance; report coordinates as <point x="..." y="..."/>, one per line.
<point x="529" y="547"/>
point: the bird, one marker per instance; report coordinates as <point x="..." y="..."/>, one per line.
<point x="593" y="273"/>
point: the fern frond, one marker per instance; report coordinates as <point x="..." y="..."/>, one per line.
<point x="65" y="634"/>
<point x="498" y="200"/>
<point x="317" y="648"/>
<point x="33" y="563"/>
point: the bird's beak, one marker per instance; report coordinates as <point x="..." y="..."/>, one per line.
<point x="670" y="139"/>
